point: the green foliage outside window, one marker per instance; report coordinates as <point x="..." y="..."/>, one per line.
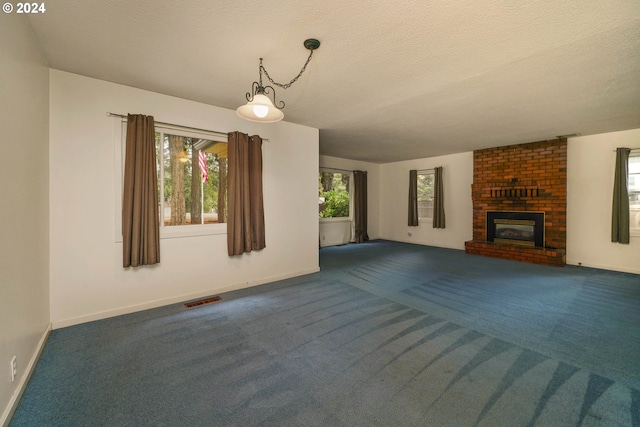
<point x="425" y="194"/>
<point x="333" y="194"/>
<point x="336" y="204"/>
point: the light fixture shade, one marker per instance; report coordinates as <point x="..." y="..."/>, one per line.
<point x="258" y="105"/>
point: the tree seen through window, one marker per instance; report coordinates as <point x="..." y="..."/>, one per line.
<point x="425" y="194"/>
<point x="333" y="194"/>
<point x="187" y="195"/>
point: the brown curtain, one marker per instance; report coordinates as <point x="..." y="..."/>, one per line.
<point x="360" y="206"/>
<point x="245" y="225"/>
<point x="140" y="215"/>
<point x="413" y="198"/>
<point x="620" y="211"/>
<point x="438" y="199"/>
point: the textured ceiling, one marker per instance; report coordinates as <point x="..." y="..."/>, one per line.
<point x="392" y="80"/>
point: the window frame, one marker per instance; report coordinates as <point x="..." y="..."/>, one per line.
<point x="431" y="172"/>
<point x="635" y="153"/>
<point x="166" y="232"/>
<point x="350" y="192"/>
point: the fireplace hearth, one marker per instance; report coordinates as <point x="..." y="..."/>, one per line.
<point x="516" y="228"/>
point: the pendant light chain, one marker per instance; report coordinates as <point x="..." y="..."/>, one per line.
<point x="286" y="85"/>
<point x="261" y="103"/>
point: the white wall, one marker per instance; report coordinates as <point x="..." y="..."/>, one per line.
<point x="87" y="278"/>
<point x="394" y="200"/>
<point x="590" y="169"/>
<point x="338" y="231"/>
<point x="590" y="173"/>
<point x="24" y="224"/>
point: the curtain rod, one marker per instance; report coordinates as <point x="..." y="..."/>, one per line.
<point x="425" y="170"/>
<point x="632" y="149"/>
<point x="335" y="169"/>
<point x="225" y="134"/>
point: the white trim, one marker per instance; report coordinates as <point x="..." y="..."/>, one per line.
<point x="336" y="219"/>
<point x="194" y="230"/>
<point x="22" y="385"/>
<point x="607" y="267"/>
<point x="180" y="131"/>
<point x="174" y="300"/>
<point x="427" y="219"/>
<point x="333" y="243"/>
<point x="119" y="136"/>
<point x="335" y="170"/>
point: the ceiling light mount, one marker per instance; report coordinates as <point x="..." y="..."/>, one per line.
<point x="311" y="44"/>
<point x="260" y="108"/>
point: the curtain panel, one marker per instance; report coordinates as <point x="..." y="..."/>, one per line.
<point x="438" y="199"/>
<point x="620" y="211"/>
<point x="413" y="198"/>
<point x="245" y="224"/>
<point x="140" y="211"/>
<point x="360" y="206"/>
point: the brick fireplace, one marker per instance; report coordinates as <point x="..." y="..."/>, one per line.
<point x="514" y="183"/>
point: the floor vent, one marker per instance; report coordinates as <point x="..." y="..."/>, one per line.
<point x="202" y="302"/>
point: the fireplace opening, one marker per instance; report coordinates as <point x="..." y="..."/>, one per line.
<point x="514" y="231"/>
<point x="516" y="228"/>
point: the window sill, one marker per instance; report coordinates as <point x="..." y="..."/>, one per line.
<point x="340" y="219"/>
<point x="176" y="232"/>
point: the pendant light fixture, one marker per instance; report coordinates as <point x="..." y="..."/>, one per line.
<point x="260" y="108"/>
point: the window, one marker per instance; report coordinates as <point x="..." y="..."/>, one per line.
<point x="634" y="192"/>
<point x="425" y="194"/>
<point x="188" y="219"/>
<point x="192" y="178"/>
<point x="334" y="194"/>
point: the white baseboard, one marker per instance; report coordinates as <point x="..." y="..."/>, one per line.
<point x="604" y="267"/>
<point x="173" y="300"/>
<point x="333" y="243"/>
<point x="24" y="380"/>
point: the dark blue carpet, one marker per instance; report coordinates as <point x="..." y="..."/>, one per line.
<point x="386" y="334"/>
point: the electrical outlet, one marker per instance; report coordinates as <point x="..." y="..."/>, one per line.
<point x="14" y="368"/>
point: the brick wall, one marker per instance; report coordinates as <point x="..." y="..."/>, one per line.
<point x="524" y="177"/>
